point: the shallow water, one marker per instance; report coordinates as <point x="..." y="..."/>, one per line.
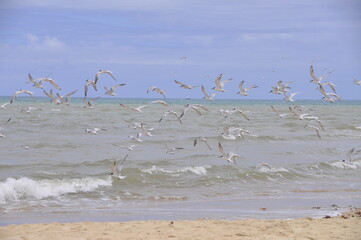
<point x="50" y="167"/>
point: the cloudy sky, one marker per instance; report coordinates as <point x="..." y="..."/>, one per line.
<point x="154" y="42"/>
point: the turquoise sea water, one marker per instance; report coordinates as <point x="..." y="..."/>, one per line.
<point x="52" y="170"/>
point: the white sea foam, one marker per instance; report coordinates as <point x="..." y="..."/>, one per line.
<point x="199" y="170"/>
<point x="266" y="169"/>
<point x="25" y="188"/>
<point x="346" y="165"/>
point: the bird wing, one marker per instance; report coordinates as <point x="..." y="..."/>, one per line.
<point x="204" y="92"/>
<point x="218" y="81"/>
<point x="51" y="81"/>
<point x="241" y="85"/>
<point x="221" y="150"/>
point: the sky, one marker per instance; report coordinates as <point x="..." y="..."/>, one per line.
<point x="154" y="42"/>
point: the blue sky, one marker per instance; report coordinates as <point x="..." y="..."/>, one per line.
<point x="143" y="43"/>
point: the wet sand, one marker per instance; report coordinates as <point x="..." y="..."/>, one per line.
<point x="346" y="226"/>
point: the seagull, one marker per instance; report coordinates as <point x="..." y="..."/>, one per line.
<point x="356" y="82"/>
<point x="290" y="97"/>
<point x="29" y="109"/>
<point x="228" y="134"/>
<point x="170" y="112"/>
<point x="25" y="147"/>
<point x="94" y="131"/>
<point x="15" y="95"/>
<point x="2" y="127"/>
<point x="281" y="115"/>
<point x="147" y="132"/>
<point x="172" y="149"/>
<point x="3" y="106"/>
<point x="89" y="104"/>
<point x="203" y="140"/>
<point x="275" y="90"/>
<point x="156" y="89"/>
<point x="235" y="110"/>
<point x="117" y="168"/>
<point x="319" y="123"/>
<point x="195" y="107"/>
<point x="332" y="86"/>
<point x="220" y="84"/>
<point x="244" y="91"/>
<point x="110" y="91"/>
<point x="266" y="165"/>
<point x="49" y="80"/>
<point x="206" y="95"/>
<point x="97" y="75"/>
<point x="86" y="86"/>
<point x="304" y="116"/>
<point x="281" y="87"/>
<point x="134" y="125"/>
<point x="51" y="96"/>
<point x="315" y="128"/>
<point x="160" y="102"/>
<point x="229" y="157"/>
<point x="66" y="99"/>
<point x="137" y="138"/>
<point x="35" y="83"/>
<point x="185" y="86"/>
<point x="129" y="148"/>
<point x="136" y="109"/>
<point x="328" y="96"/>
<point x="352" y="152"/>
<point x="313" y="76"/>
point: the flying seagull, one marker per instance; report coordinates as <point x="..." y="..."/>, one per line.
<point x="117" y="168"/>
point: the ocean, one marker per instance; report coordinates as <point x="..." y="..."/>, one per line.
<point x="51" y="169"/>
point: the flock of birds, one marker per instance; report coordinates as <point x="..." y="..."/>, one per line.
<point x="229" y="132"/>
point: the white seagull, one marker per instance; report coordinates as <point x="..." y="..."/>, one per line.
<point x="220" y="84"/>
<point x="289" y="97"/>
<point x="135" y="109"/>
<point x="229" y="157"/>
<point x="2" y="127"/>
<point x="137" y="138"/>
<point x="17" y="93"/>
<point x="156" y="89"/>
<point x="203" y="140"/>
<point x="185" y="86"/>
<point x="172" y="149"/>
<point x="356" y="82"/>
<point x="160" y="102"/>
<point x="66" y="99"/>
<point x="89" y="104"/>
<point x="35" y="83"/>
<point x="244" y="91"/>
<point x="206" y="95"/>
<point x="110" y="91"/>
<point x="86" y="86"/>
<point x="315" y="128"/>
<point x="97" y="75"/>
<point x="129" y="148"/>
<point x="170" y="112"/>
<point x="281" y="115"/>
<point x="49" y="80"/>
<point x="117" y="168"/>
<point x="94" y="131"/>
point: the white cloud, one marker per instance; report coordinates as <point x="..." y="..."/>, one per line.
<point x="46" y="44"/>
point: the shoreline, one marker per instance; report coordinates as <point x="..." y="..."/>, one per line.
<point x="344" y="226"/>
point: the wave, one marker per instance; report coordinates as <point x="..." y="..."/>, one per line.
<point x="12" y="189"/>
<point x="199" y="170"/>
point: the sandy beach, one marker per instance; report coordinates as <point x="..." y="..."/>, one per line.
<point x="346" y="226"/>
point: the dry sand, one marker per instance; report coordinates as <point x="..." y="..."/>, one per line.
<point x="347" y="226"/>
